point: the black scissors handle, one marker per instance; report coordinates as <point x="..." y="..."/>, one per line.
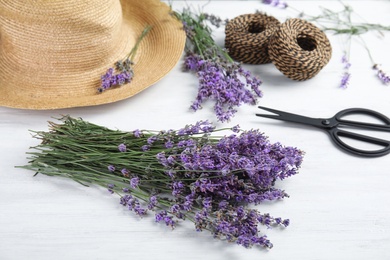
<point x="363" y="125"/>
<point x="337" y="133"/>
<point x="331" y="125"/>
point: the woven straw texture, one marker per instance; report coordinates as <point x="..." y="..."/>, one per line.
<point x="53" y="53"/>
<point x="299" y="49"/>
<point x="247" y="37"/>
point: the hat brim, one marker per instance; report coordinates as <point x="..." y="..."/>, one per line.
<point x="157" y="54"/>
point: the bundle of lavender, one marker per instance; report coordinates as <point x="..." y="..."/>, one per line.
<point x="186" y="174"/>
<point x="221" y="79"/>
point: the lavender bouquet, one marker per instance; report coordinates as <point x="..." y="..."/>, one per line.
<point x="186" y="174"/>
<point x="220" y="78"/>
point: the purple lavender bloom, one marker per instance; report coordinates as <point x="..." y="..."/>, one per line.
<point x="133" y="204"/>
<point x="163" y="216"/>
<point x="137" y="133"/>
<point x="276" y="3"/>
<point x="168" y="144"/>
<point x="111" y="168"/>
<point x="345" y="80"/>
<point x="383" y="77"/>
<point x="175" y="208"/>
<point x="139" y="210"/>
<point x="125" y="172"/>
<point x="145" y="148"/>
<point x="169" y="221"/>
<point x="162" y="159"/>
<point x="346" y="62"/>
<point x="278" y="221"/>
<point x="111" y="188"/>
<point x="152" y="202"/>
<point x="213" y="180"/>
<point x="236" y="129"/>
<point x="228" y="85"/>
<point x="122" y="148"/>
<point x="160" y="215"/>
<point x="286" y="222"/>
<point x="177" y="188"/>
<point x="123" y="200"/>
<point x="201" y="127"/>
<point x="152" y="139"/>
<point x="134" y="182"/>
<point x="207" y="203"/>
<point x="110" y="79"/>
<point x="223" y="204"/>
<point x="171" y="160"/>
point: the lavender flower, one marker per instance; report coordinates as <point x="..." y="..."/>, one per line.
<point x="125" y="172"/>
<point x="163" y="216"/>
<point x="220" y="78"/>
<point x="134" y="182"/>
<point x="153" y="201"/>
<point x="111" y="168"/>
<point x="124" y="76"/>
<point x="209" y="180"/>
<point x="122" y="148"/>
<point x="346" y="75"/>
<point x="345" y="61"/>
<point x="229" y="85"/>
<point x="110" y="188"/>
<point x="385" y="78"/>
<point x="276" y="3"/>
<point x="345" y="80"/>
<point x="137" y="133"/>
<point x="123" y="72"/>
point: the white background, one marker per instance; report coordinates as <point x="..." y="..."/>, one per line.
<point x="338" y="205"/>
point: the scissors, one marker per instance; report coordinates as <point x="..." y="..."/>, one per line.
<point x="331" y="125"/>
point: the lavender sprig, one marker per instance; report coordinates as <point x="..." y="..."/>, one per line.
<point x="385" y="78"/>
<point x="220" y="78"/>
<point x="123" y="72"/>
<point x="346" y="74"/>
<point x="276" y="3"/>
<point x="186" y="174"/>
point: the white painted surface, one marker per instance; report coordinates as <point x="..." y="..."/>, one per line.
<point x="338" y="205"/>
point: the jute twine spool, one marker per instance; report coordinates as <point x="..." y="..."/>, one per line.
<point x="53" y="53"/>
<point x="247" y="37"/>
<point x="299" y="49"/>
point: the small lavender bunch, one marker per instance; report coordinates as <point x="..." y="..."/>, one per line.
<point x="123" y="72"/>
<point x="220" y="78"/>
<point x="186" y="174"/>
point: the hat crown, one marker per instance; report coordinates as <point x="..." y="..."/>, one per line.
<point x="59" y="35"/>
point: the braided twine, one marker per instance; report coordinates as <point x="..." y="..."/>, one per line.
<point x="299" y="49"/>
<point x="247" y="37"/>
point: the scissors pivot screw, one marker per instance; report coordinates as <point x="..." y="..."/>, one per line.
<point x="325" y="122"/>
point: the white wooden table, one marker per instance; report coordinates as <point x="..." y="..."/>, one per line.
<point x="338" y="205"/>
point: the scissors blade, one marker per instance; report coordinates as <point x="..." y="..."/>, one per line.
<point x="290" y="117"/>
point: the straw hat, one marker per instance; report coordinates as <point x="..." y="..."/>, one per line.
<point x="53" y="53"/>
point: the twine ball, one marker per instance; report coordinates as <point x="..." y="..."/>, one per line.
<point x="247" y="37"/>
<point x="299" y="49"/>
